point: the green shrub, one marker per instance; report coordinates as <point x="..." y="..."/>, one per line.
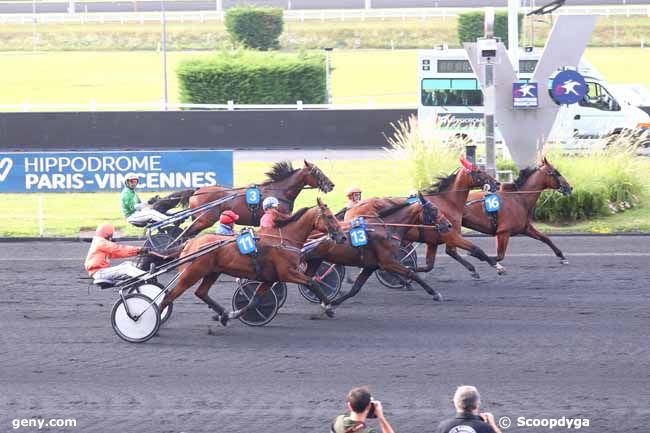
<point x="603" y="181"/>
<point x="250" y="77"/>
<point x="254" y="27"/>
<point x="471" y="26"/>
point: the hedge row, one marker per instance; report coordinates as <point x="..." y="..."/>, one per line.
<point x="248" y="77"/>
<point x="256" y="28"/>
<point x="471" y="26"/>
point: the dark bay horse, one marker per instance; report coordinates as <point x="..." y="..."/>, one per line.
<point x="277" y="259"/>
<point x="385" y="231"/>
<point x="517" y="204"/>
<point x="283" y="182"/>
<point x="449" y="195"/>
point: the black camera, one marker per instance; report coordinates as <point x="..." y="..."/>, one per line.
<point x="371" y="412"/>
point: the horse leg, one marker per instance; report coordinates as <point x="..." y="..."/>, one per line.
<point x="185" y="281"/>
<point x="261" y="289"/>
<point x="397" y="268"/>
<point x="456" y="240"/>
<point x="202" y="293"/>
<point x="453" y="253"/>
<point x="292" y="275"/>
<point x="502" y="245"/>
<point x="432" y="249"/>
<point x="356" y="287"/>
<point x="536" y="234"/>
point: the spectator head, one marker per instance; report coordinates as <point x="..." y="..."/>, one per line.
<point x="359" y="400"/>
<point x="467" y="399"/>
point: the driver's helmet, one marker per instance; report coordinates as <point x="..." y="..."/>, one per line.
<point x="270" y="202"/>
<point x="228" y="217"/>
<point x="352" y="190"/>
<point x="105" y="231"/>
<point x="131" y="176"/>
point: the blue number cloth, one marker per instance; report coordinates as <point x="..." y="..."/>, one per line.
<point x="246" y="243"/>
<point x="358" y="237"/>
<point x="492" y="203"/>
<point x="253" y="195"/>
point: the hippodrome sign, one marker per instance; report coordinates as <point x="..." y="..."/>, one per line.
<point x="569" y="87"/>
<point x="106" y="171"/>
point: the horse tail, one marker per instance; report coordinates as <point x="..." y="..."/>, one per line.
<point x="174" y="199"/>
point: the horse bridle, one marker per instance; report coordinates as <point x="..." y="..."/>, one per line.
<point x="320" y="177"/>
<point x="476" y="179"/>
<point x="330" y="235"/>
<point x="431" y="216"/>
<point x="556" y="175"/>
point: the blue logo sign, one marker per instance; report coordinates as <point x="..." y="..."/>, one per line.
<point x="253" y="196"/>
<point x="568" y="87"/>
<point x="106" y="171"/>
<point x="524" y="95"/>
<point x="246" y="243"/>
<point x="492" y="203"/>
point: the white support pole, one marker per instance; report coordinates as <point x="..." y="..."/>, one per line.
<point x="41" y="229"/>
<point x="513" y="33"/>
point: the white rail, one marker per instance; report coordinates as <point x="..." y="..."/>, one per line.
<point x="291" y="15"/>
<point x="148" y="106"/>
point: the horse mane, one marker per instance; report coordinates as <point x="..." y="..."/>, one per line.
<point x="524" y="174"/>
<point x="394" y="208"/>
<point x="295" y="217"/>
<point x="280" y="171"/>
<point x="442" y="184"/>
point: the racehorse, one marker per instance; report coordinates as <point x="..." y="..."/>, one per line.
<point x="517" y="204"/>
<point x="277" y="259"/>
<point x="283" y="182"/>
<point x="384" y="233"/>
<point x="449" y="195"/>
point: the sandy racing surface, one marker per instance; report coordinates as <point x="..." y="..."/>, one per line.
<point x="544" y="341"/>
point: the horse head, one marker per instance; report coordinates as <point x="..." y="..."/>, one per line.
<point x="328" y="223"/>
<point x="479" y="177"/>
<point x="431" y="216"/>
<point x="315" y="177"/>
<point x="553" y="178"/>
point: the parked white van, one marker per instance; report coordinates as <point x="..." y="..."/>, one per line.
<point x="449" y="87"/>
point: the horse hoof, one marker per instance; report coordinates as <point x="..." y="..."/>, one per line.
<point x="476" y="276"/>
<point x="329" y="311"/>
<point x="500" y="269"/>
<point x="217" y="317"/>
<point x="437" y="297"/>
<point x="224" y="319"/>
<point x="564" y="261"/>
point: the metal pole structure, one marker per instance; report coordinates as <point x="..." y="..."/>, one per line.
<point x="532" y="24"/>
<point x="219" y="5"/>
<point x="513" y="33"/>
<point x="327" y="75"/>
<point x="33" y="25"/>
<point x="490" y="155"/>
<point x="163" y="19"/>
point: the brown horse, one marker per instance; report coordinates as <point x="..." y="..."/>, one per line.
<point x="385" y="230"/>
<point x="277" y="259"/>
<point x="517" y="204"/>
<point x="449" y="195"/>
<point x="283" y="182"/>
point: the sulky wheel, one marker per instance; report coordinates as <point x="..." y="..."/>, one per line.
<point x="408" y="257"/>
<point x="261" y="314"/>
<point x="145" y="312"/>
<point x="153" y="291"/>
<point x="328" y="277"/>
<point x="278" y="287"/>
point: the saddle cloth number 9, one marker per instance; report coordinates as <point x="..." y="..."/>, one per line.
<point x="358" y="237"/>
<point x="253" y="196"/>
<point x="246" y="243"/>
<point x="492" y="203"/>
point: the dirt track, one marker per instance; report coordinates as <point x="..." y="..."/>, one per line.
<point x="544" y="341"/>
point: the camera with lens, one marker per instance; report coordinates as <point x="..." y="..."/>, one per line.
<point x="371" y="412"/>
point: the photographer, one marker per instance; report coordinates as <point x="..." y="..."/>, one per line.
<point x="362" y="406"/>
<point x="467" y="401"/>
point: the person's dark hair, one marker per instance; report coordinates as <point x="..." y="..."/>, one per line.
<point x="359" y="399"/>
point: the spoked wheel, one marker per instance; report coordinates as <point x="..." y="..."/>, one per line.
<point x="278" y="287"/>
<point x="151" y="290"/>
<point x="265" y="310"/>
<point x="408" y="257"/>
<point x="147" y="318"/>
<point x="329" y="278"/>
